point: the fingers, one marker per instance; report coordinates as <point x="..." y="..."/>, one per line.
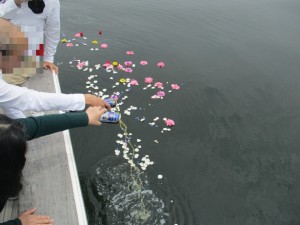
<point x="52" y="67"/>
<point x="29" y="212"/>
<point x="106" y="105"/>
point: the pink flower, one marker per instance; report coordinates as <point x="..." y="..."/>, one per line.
<point x="158" y="84"/>
<point x="78" y="35"/>
<point x="161" y="64"/>
<point x="107" y="64"/>
<point x="130" y="52"/>
<point x="81" y="64"/>
<point x="128" y="70"/>
<point x="143" y="63"/>
<point x="175" y="86"/>
<point x="69" y="45"/>
<point x="134" y="82"/>
<point x="128" y="63"/>
<point x="161" y="94"/>
<point x="169" y="122"/>
<point x="104" y="45"/>
<point x="120" y="67"/>
<point x="148" y="80"/>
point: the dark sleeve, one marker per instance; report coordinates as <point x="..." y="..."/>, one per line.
<point x="12" y="222"/>
<point x="43" y="125"/>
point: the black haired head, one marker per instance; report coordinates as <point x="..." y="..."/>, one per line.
<point x="36" y="6"/>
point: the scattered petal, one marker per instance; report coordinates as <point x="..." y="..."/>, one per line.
<point x="128" y="70"/>
<point x="104" y="45"/>
<point x="161" y="93"/>
<point x="134" y="82"/>
<point x="169" y="122"/>
<point x="94" y="42"/>
<point x="128" y="63"/>
<point x="143" y="63"/>
<point x="159" y="176"/>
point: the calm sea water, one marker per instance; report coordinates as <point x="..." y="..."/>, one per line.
<point x="233" y="156"/>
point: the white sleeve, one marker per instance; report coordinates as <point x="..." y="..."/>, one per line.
<point x="8" y="9"/>
<point x="52" y="31"/>
<point x="14" y="99"/>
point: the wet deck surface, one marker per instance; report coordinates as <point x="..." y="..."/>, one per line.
<point x="49" y="183"/>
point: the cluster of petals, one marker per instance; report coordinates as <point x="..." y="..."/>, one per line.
<point x="134" y="82"/>
<point x="143" y="62"/>
<point x="128" y="63"/>
<point x="81" y="64"/>
<point x="120" y="67"/>
<point x="158" y="85"/>
<point x="79" y="34"/>
<point x="148" y="80"/>
<point x="130" y="52"/>
<point x="69" y="44"/>
<point x="161" y="64"/>
<point x="169" y="122"/>
<point x="104" y="45"/>
<point x="107" y="64"/>
<point x="175" y="86"/>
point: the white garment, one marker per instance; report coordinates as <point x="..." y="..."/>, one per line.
<point x="15" y="99"/>
<point x="36" y="26"/>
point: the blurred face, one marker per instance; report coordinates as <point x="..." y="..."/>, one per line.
<point x="13" y="47"/>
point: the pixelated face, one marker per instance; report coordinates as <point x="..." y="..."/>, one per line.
<point x="13" y="53"/>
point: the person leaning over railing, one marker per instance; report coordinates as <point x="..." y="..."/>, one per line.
<point x="14" y="99"/>
<point x="13" y="147"/>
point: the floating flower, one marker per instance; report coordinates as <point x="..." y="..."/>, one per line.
<point x="115" y="64"/>
<point x="175" y="86"/>
<point x="130" y="52"/>
<point x="79" y="34"/>
<point x="134" y="82"/>
<point x="69" y="45"/>
<point x="100" y="32"/>
<point x="161" y="94"/>
<point x="123" y="80"/>
<point x="64" y="40"/>
<point x="143" y="63"/>
<point x="128" y="63"/>
<point x="161" y="64"/>
<point x="107" y="64"/>
<point x="104" y="45"/>
<point x="81" y="64"/>
<point x="169" y="122"/>
<point x="128" y="70"/>
<point x="94" y="42"/>
<point x="158" y="84"/>
<point x="120" y="67"/>
<point x="148" y="80"/>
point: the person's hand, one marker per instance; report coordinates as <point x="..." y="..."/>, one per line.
<point x="50" y="66"/>
<point x="94" y="114"/>
<point x="93" y="100"/>
<point x="27" y="218"/>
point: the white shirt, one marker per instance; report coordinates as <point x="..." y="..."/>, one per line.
<point x="15" y="99"/>
<point x="36" y="26"/>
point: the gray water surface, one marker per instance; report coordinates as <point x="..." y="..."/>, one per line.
<point x="233" y="156"/>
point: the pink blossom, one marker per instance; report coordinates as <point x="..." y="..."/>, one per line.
<point x="130" y="52"/>
<point x="175" y="86"/>
<point x="161" y="64"/>
<point x="104" y="45"/>
<point x="169" y="122"/>
<point x="128" y="63"/>
<point x="143" y="63"/>
<point x="79" y="34"/>
<point x="69" y="45"/>
<point x="161" y="94"/>
<point x="120" y="67"/>
<point x="81" y="64"/>
<point x="158" y="84"/>
<point x="148" y="80"/>
<point x="134" y="82"/>
<point x="107" y="64"/>
<point x="128" y="70"/>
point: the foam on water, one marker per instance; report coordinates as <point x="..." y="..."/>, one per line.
<point x="125" y="196"/>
